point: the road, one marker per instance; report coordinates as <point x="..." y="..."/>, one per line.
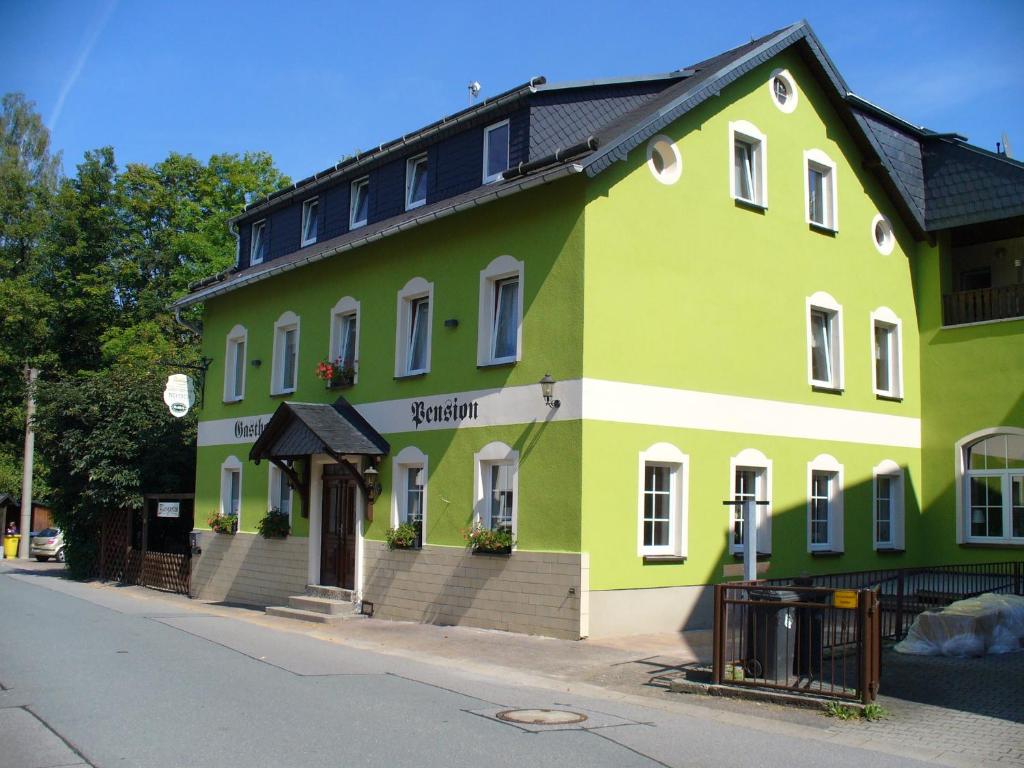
<point x="97" y="676"/>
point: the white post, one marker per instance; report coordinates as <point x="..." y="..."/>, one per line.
<point x="749" y="540"/>
<point x="26" y="477"/>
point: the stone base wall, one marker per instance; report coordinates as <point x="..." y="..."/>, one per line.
<point x="531" y="592"/>
<point x="246" y="568"/>
<point x="616" y="612"/>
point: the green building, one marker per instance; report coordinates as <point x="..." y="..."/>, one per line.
<point x="746" y="282"/>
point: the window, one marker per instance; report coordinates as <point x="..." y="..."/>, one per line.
<point x="748" y="153"/>
<point x="887" y="353"/>
<point x="824" y="505"/>
<point x="345" y="334"/>
<point x="412" y="345"/>
<point x="359" y="203"/>
<point x="231" y="488"/>
<point x="662" y="502"/>
<point x="280" y="496"/>
<point x="415" y="182"/>
<point x="310" y="221"/>
<point x="663" y="159"/>
<point x="496" y="488"/>
<point x="409" y="501"/>
<point x="820" y="180"/>
<point x="882" y="235"/>
<point x="501" y="312"/>
<point x="782" y="89"/>
<point x="887" y="494"/>
<point x="992" y="466"/>
<point x="286" y="354"/>
<point x="824" y="342"/>
<point x="234" y="365"/>
<point x="750" y="473"/>
<point x="495" y="151"/>
<point x="258" y="243"/>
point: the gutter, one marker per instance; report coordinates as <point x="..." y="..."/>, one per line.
<point x="560" y="155"/>
<point x="185" y="323"/>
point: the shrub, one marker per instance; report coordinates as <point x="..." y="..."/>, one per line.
<point x="274" y="525"/>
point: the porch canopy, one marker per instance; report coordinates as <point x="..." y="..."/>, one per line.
<point x="300" y="430"/>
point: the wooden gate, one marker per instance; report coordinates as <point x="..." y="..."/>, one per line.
<point x="132" y="551"/>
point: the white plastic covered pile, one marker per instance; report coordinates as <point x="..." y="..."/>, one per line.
<point x="988" y="623"/>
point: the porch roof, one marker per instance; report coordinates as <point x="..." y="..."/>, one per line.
<point x="302" y="429"/>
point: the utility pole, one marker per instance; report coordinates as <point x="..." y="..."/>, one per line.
<point x="26" y="477"/>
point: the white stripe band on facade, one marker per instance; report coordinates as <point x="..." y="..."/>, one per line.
<point x="609" y="401"/>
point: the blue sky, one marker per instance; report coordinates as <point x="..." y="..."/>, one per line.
<point x="312" y="82"/>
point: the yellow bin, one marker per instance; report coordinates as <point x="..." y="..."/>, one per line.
<point x="11" y="546"/>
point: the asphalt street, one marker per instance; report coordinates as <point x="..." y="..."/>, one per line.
<point x="98" y="676"/>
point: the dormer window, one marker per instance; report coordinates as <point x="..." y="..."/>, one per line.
<point x="495" y="151"/>
<point x="416" y="182"/>
<point x="258" y="244"/>
<point x="360" y="203"/>
<point x="310" y="221"/>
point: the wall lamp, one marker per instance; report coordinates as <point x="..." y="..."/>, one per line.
<point x="372" y="483"/>
<point x="547" y="388"/>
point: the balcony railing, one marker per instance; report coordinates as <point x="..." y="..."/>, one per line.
<point x="983" y="304"/>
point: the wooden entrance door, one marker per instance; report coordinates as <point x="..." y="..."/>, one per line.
<point x="338" y="531"/>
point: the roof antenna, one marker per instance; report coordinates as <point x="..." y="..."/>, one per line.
<point x="1007" y="152"/>
<point x="474" y="91"/>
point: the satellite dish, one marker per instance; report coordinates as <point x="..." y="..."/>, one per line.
<point x="474" y="90"/>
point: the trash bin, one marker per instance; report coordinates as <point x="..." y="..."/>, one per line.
<point x="770" y="634"/>
<point x="810" y="631"/>
<point x="11" y="546"/>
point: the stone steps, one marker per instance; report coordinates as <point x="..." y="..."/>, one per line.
<point x="321" y="605"/>
<point x="303" y="615"/>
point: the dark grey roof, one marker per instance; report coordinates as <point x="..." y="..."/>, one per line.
<point x="968" y="185"/>
<point x="304" y="429"/>
<point x="900" y="153"/>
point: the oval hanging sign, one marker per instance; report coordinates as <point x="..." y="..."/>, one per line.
<point x="179" y="394"/>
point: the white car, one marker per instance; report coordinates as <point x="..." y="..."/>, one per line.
<point x="48" y="543"/>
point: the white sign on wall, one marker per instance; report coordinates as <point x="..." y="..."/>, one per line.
<point x="168" y="509"/>
<point x="179" y="394"/>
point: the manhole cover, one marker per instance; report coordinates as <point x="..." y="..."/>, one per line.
<point x="541" y="716"/>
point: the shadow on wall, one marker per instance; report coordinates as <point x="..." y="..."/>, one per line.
<point x="245" y="568"/>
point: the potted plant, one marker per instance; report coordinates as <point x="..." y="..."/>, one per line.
<point x="222" y="523"/>
<point x="486" y="541"/>
<point x="403" y="536"/>
<point x="336" y="373"/>
<point x="274" y="525"/>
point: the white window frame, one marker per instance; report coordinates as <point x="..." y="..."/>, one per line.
<point x="819" y="161"/>
<point x="307" y="205"/>
<point x="824" y="302"/>
<point x="666" y="455"/>
<point x="346" y="307"/>
<point x="256" y="227"/>
<point x="231" y="465"/>
<point x="792" y="99"/>
<point x="671" y="161"/>
<point x="889" y="240"/>
<point x="353" y="222"/>
<point x="410" y="168"/>
<point x="408" y="458"/>
<point x="751" y="458"/>
<point x="741" y="130"/>
<point x="501" y="268"/>
<point x="494" y="177"/>
<point x="963" y="489"/>
<point x="883" y="317"/>
<point x="417" y="288"/>
<point x="897" y="521"/>
<point x="829" y="464"/>
<point x="492" y="454"/>
<point x="274" y="479"/>
<point x="288" y="321"/>
<point x="237" y="335"/>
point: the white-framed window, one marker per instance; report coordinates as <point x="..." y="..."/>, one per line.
<point x="500" y="328"/>
<point x="990" y="498"/>
<point x="310" y="221"/>
<point x="496" y="488"/>
<point x="750" y="477"/>
<point x="231" y="488"/>
<point x="345" y="333"/>
<point x="496" y="140"/>
<point x="279" y="492"/>
<point x="663" y="159"/>
<point x="820" y="190"/>
<point x="748" y="163"/>
<point x="234" y="364"/>
<point x="285" y="367"/>
<point x="415" y="318"/>
<point x="782" y="89"/>
<point x="359" y="203"/>
<point x="258" y="243"/>
<point x="415" y="182"/>
<point x="887" y="507"/>
<point x="882" y="234"/>
<point x="824" y="505"/>
<point x="662" y="503"/>
<point x="887" y="353"/>
<point x="824" y="342"/>
<point x="409" y="500"/>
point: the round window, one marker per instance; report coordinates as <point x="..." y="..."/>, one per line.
<point x="663" y="160"/>
<point x="782" y="88"/>
<point x="882" y="235"/>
